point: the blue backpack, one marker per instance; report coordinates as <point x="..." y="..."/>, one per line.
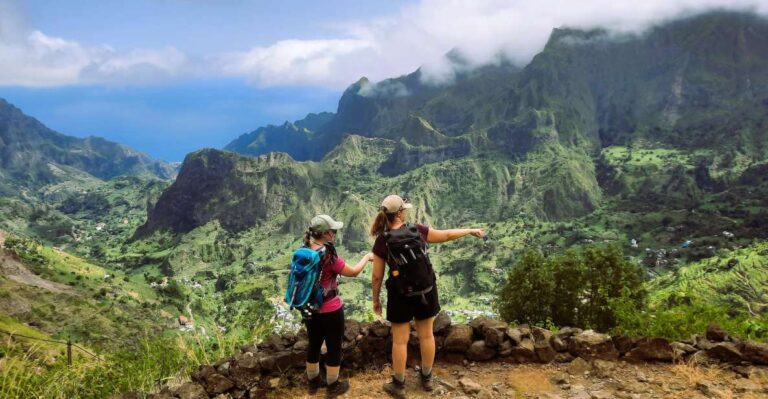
<point x="304" y="291"/>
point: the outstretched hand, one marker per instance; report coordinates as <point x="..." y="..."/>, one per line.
<point x="479" y="233"/>
<point x="377" y="308"/>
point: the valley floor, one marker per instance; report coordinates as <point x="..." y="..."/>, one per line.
<point x="602" y="380"/>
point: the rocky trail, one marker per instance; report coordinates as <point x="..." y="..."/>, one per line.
<point x="577" y="380"/>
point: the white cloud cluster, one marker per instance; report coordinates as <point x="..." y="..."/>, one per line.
<point x="381" y="47"/>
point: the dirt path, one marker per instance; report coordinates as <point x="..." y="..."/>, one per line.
<point x="603" y="380"/>
<point x="12" y="268"/>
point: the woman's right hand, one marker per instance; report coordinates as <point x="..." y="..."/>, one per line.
<point x="377" y="307"/>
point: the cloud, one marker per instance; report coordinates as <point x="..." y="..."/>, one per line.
<point x="419" y="35"/>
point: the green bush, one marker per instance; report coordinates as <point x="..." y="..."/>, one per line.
<point x="573" y="289"/>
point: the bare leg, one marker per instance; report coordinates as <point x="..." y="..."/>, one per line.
<point x="426" y="342"/>
<point x="400" y="334"/>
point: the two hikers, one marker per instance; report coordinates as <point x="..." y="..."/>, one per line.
<point x="411" y="291"/>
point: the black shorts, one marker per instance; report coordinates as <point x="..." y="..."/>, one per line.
<point x="403" y="309"/>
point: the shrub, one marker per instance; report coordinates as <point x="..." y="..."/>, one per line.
<point x="574" y="289"/>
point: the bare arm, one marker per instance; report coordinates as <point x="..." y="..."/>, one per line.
<point x="436" y="236"/>
<point x="376" y="278"/>
<point x="353" y="271"/>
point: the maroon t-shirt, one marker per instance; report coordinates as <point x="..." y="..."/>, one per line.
<point x="380" y="245"/>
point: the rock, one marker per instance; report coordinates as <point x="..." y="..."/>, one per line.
<point x="515" y="335"/>
<point x="491" y="330"/>
<point x="273" y="342"/>
<point x="602" y="394"/>
<point x="459" y="338"/>
<point x="202" y="373"/>
<point x="380" y="328"/>
<point x="725" y="351"/>
<point x="603" y="368"/>
<point x="301" y="345"/>
<point x="522" y="354"/>
<point x="216" y="384"/>
<point x="469" y="386"/>
<point x="541" y="334"/>
<point x="592" y="345"/>
<point x="754" y="352"/>
<point x="441" y="323"/>
<point x="702" y="343"/>
<point x="683" y="347"/>
<point x="564" y="357"/>
<point x="716" y="334"/>
<point x="544" y="352"/>
<point x="351" y="329"/>
<point x="479" y="351"/>
<point x="558" y="344"/>
<point x="245" y="370"/>
<point x="707" y="388"/>
<point x="566" y="333"/>
<point x="578" y="366"/>
<point x="623" y="344"/>
<point x="655" y="349"/>
<point x="561" y="379"/>
<point x="743" y="385"/>
<point x="505" y="349"/>
<point x="528" y="344"/>
<point x="190" y="390"/>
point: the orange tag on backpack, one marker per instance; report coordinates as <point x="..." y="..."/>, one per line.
<point x="395" y="273"/>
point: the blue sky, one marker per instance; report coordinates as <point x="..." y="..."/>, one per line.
<point x="170" y="76"/>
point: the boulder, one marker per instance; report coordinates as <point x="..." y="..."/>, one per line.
<point x="623" y="344"/>
<point x="725" y="351"/>
<point x="515" y="335"/>
<point x="217" y="384"/>
<point x="300" y="345"/>
<point x="591" y="345"/>
<point x="245" y="370"/>
<point x="716" y="334"/>
<point x="544" y="352"/>
<point x="272" y="343"/>
<point x="505" y="349"/>
<point x="202" y="373"/>
<point x="558" y="344"/>
<point x="351" y="329"/>
<point x="563" y="357"/>
<point x="566" y="333"/>
<point x="190" y="390"/>
<point x="459" y="338"/>
<point x="541" y="334"/>
<point x="478" y="351"/>
<point x="578" y="366"/>
<point x="523" y="353"/>
<point x="441" y="323"/>
<point x="380" y="328"/>
<point x="656" y="349"/>
<point x="754" y="352"/>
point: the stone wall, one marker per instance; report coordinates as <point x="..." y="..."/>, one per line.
<point x="279" y="361"/>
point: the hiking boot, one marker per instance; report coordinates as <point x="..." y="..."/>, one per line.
<point x="395" y="388"/>
<point x="314" y="383"/>
<point x="427" y="382"/>
<point x="337" y="388"/>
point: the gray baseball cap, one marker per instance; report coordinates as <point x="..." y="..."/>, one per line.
<point x="322" y="223"/>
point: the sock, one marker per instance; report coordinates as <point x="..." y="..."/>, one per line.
<point x="313" y="370"/>
<point x="399" y="377"/>
<point x="425" y="371"/>
<point x="331" y="377"/>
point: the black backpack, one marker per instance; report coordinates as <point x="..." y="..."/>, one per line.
<point x="410" y="270"/>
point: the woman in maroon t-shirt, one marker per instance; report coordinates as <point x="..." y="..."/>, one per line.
<point x="402" y="309"/>
<point x="327" y="323"/>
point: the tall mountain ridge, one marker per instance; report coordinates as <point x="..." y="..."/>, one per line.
<point x="33" y="156"/>
<point x="500" y="140"/>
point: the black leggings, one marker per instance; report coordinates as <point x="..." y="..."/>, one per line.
<point x="328" y="327"/>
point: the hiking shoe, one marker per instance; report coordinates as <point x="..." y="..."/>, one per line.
<point x="395" y="388"/>
<point x="314" y="383"/>
<point x="337" y="388"/>
<point x="427" y="381"/>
